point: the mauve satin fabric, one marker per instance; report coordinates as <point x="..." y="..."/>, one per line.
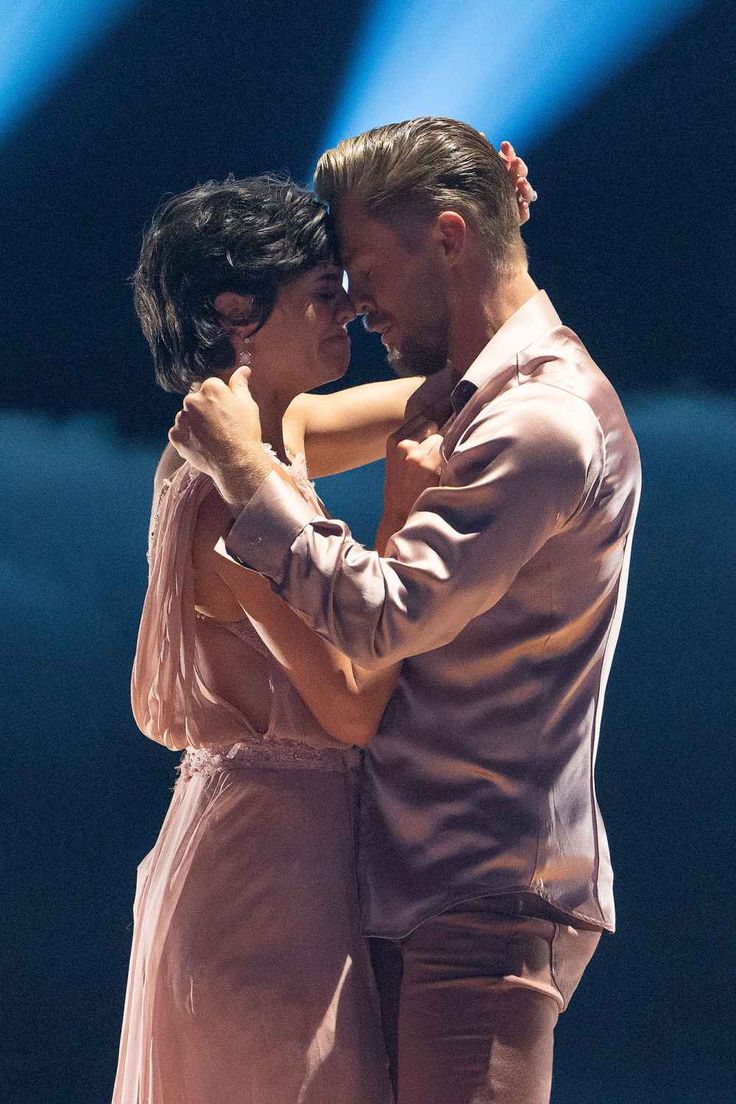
<point x="503" y="594"/>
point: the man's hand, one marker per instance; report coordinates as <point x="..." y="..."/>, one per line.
<point x="218" y="430"/>
<point x="413" y="463"/>
<point x="432" y="399"/>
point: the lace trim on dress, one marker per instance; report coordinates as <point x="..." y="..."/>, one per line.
<point x="279" y="754"/>
<point x="297" y="469"/>
<point x="156" y="514"/>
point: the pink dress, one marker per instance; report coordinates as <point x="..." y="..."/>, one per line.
<point x="249" y="979"/>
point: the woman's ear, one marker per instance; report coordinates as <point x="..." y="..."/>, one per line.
<point x="236" y="310"/>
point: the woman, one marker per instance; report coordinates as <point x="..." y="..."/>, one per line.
<point x="249" y="979"/>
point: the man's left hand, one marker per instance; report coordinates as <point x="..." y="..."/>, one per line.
<point x="218" y="430"/>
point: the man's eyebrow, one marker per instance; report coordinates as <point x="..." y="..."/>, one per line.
<point x="329" y="277"/>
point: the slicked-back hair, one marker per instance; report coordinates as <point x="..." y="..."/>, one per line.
<point x="250" y="236"/>
<point x="405" y="173"/>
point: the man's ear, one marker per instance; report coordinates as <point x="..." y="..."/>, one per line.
<point x="236" y="311"/>
<point x="452" y="230"/>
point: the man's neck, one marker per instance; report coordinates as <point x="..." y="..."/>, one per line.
<point x="479" y="317"/>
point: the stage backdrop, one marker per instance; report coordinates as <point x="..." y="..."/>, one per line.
<point x="627" y="124"/>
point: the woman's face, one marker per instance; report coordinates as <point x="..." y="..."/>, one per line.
<point x="304" y="342"/>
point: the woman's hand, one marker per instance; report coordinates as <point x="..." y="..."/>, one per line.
<point x="525" y="194"/>
<point x="413" y="463"/>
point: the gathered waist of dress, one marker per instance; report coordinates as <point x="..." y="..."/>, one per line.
<point x="266" y="754"/>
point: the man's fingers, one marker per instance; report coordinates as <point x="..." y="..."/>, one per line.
<point x="406" y="446"/>
<point x="175" y="437"/>
<point x="425" y="452"/>
<point x="416" y="429"/>
<point x="179" y="433"/>
<point x="240" y="377"/>
<point x="429" y="451"/>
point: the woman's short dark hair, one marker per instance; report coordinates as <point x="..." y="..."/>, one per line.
<point x="249" y="236"/>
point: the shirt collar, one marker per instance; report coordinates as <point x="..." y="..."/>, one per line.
<point x="528" y="324"/>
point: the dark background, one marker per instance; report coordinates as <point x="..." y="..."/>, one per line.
<point x="633" y="238"/>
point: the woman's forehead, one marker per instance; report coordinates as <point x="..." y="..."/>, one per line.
<point x="330" y="270"/>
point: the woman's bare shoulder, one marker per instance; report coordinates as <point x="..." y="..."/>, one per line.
<point x="167" y="467"/>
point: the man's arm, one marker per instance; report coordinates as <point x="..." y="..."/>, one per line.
<point x="521" y="471"/>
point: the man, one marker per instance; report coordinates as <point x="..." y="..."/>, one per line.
<point x="483" y="853"/>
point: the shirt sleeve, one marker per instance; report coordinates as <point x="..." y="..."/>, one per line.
<point x="525" y="465"/>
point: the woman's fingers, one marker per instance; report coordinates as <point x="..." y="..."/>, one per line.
<point x="525" y="191"/>
<point x="517" y="167"/>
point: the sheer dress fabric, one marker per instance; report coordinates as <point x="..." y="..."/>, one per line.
<point x="249" y="980"/>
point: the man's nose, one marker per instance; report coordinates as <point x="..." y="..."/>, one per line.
<point x="359" y="295"/>
<point x="344" y="311"/>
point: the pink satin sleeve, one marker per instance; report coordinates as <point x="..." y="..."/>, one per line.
<point x="523" y="468"/>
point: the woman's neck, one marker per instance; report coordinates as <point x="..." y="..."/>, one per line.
<point x="272" y="409"/>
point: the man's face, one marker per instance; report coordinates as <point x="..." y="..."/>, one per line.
<point x="401" y="289"/>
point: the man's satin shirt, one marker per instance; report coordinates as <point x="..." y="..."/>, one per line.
<point x="503" y="595"/>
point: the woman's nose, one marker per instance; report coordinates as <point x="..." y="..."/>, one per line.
<point x="344" y="310"/>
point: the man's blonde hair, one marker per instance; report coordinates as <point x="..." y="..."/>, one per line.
<point x="404" y="173"/>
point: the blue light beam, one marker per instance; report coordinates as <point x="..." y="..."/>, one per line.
<point x="512" y="68"/>
<point x="39" y="41"/>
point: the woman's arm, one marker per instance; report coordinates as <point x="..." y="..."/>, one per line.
<point x="347" y="701"/>
<point x="349" y="428"/>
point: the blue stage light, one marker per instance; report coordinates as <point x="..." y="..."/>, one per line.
<point x="39" y="39"/>
<point x="512" y="68"/>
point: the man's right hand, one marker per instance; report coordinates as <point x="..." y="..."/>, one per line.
<point x="432" y="399"/>
<point x="413" y="463"/>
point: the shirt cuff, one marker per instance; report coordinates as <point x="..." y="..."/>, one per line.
<point x="263" y="533"/>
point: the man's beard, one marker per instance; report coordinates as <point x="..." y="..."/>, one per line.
<point x="422" y="356"/>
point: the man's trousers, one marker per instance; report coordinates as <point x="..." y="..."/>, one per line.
<point x="470" y="1000"/>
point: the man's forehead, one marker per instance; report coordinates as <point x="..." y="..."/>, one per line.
<point x="360" y="235"/>
<point x="356" y="229"/>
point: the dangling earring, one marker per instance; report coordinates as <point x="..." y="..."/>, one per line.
<point x="246" y="354"/>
